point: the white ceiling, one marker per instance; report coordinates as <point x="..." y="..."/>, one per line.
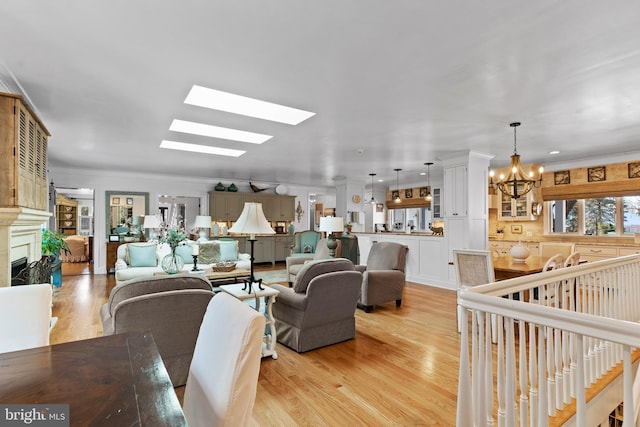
<point x="393" y="84"/>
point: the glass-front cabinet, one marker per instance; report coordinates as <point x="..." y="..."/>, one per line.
<point x="515" y="209"/>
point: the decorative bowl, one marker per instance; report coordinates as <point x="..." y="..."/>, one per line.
<point x="223" y="267"/>
<point x="519" y="253"/>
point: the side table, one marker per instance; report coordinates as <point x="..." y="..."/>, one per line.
<point x="269" y="294"/>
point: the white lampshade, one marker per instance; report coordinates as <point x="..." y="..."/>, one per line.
<point x="203" y="221"/>
<point x="252" y="221"/>
<point x="151" y="221"/>
<point x="331" y="224"/>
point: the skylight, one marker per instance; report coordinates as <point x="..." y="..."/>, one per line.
<point x="224" y="101"/>
<point x="218" y="132"/>
<point x="183" y="146"/>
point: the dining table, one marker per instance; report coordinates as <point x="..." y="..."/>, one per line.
<point x="116" y="380"/>
<point x="506" y="267"/>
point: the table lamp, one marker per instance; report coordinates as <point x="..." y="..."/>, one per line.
<point x="203" y="222"/>
<point x="151" y="222"/>
<point x="252" y="222"/>
<point x="331" y="224"/>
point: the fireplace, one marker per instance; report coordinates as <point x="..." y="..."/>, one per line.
<point x="17" y="266"/>
<point x="20" y="237"/>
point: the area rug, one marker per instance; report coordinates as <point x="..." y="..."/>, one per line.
<point x="274" y="276"/>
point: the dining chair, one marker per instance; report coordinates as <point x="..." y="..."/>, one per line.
<point x="573" y="259"/>
<point x="223" y="376"/>
<point x="549" y="249"/>
<point x="546" y="294"/>
<point x="473" y="267"/>
<point x="25" y="316"/>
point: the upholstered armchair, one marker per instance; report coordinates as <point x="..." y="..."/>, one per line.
<point x="171" y="307"/>
<point x="78" y="249"/>
<point x="295" y="263"/>
<point x="319" y="309"/>
<point x="305" y="243"/>
<point x="383" y="276"/>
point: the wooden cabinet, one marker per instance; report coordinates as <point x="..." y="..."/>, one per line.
<point x="23" y="156"/>
<point x="112" y="256"/>
<point x="515" y="209"/>
<point x="66" y="215"/>
<point x="283" y="247"/>
<point x="596" y="252"/>
<point x="225" y="206"/>
<point x="455" y="186"/>
<point x="264" y="249"/>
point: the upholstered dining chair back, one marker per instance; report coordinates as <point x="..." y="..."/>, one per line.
<point x="25" y="315"/>
<point x="549" y="249"/>
<point x="223" y="377"/>
<point x="473" y="267"/>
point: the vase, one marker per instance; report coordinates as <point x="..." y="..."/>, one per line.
<point x="172" y="263"/>
<point x="519" y="252"/>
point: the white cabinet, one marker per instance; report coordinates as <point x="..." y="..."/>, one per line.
<point x="436" y="204"/>
<point x="455" y="187"/>
<point x="515" y="209"/>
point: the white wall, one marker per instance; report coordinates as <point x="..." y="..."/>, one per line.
<point x="157" y="185"/>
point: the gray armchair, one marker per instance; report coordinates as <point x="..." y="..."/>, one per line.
<point x="295" y="263"/>
<point x="383" y="276"/>
<point x="319" y="309"/>
<point x="171" y="307"/>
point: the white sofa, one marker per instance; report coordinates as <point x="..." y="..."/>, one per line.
<point x="140" y="263"/>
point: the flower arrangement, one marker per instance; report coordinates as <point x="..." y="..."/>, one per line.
<point x="173" y="237"/>
<point x="500" y="230"/>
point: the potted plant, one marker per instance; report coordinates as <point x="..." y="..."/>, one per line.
<point x="53" y="242"/>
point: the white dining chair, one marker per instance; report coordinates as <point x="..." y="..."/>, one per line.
<point x="25" y="316"/>
<point x="473" y="267"/>
<point x="223" y="376"/>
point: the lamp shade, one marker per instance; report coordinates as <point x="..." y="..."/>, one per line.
<point x="203" y="221"/>
<point x="151" y="221"/>
<point x="331" y="224"/>
<point x="252" y="221"/>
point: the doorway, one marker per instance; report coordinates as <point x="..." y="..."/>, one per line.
<point x="77" y="222"/>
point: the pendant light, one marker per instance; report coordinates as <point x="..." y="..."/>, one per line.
<point x="373" y="199"/>
<point x="517" y="183"/>
<point x="397" y="199"/>
<point x="428" y="196"/>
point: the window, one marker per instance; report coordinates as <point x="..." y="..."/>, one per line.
<point x="615" y="216"/>
<point x="564" y="216"/>
<point x="631" y="214"/>
<point x="600" y="216"/>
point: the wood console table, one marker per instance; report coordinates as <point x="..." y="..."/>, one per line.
<point x="117" y="380"/>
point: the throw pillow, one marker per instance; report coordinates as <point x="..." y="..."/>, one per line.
<point x="184" y="252"/>
<point x="130" y="245"/>
<point x="142" y="256"/>
<point x="228" y="250"/>
<point x="209" y="253"/>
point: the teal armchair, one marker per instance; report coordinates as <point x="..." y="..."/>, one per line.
<point x="305" y="243"/>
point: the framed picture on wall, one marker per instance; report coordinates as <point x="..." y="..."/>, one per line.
<point x="395" y="194"/>
<point x="596" y="174"/>
<point x="115" y="200"/>
<point x="408" y="193"/>
<point x="379" y="207"/>
<point x="129" y="200"/>
<point x="634" y="170"/>
<point x="84" y="211"/>
<point x="562" y="177"/>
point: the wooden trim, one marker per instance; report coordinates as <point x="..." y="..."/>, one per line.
<point x="591" y="190"/>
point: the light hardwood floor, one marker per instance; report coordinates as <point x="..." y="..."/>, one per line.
<point x="400" y="370"/>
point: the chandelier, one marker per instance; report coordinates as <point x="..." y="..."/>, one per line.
<point x="373" y="199"/>
<point x="397" y="199"/>
<point x="517" y="183"/>
<point x="428" y="196"/>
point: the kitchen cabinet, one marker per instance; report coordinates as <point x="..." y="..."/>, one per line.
<point x="264" y="249"/>
<point x="596" y="252"/>
<point x="436" y="203"/>
<point x="515" y="209"/>
<point x="23" y="156"/>
<point x="283" y="247"/>
<point x="455" y="186"/>
<point x="225" y="206"/>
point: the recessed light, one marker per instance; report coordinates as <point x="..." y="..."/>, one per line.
<point x="237" y="104"/>
<point x="381" y="180"/>
<point x="217" y="132"/>
<point x="422" y="173"/>
<point x="554" y="152"/>
<point x="183" y="146"/>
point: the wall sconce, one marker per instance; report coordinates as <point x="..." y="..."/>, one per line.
<point x="299" y="211"/>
